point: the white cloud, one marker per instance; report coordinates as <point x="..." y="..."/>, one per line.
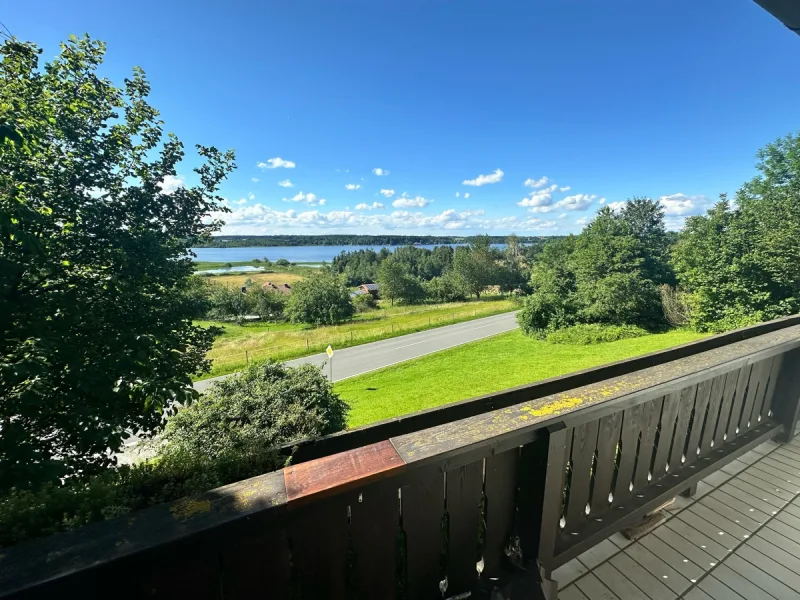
<point x="352" y="186"/>
<point x="457" y="194"/>
<point x="261" y="219"/>
<point x="466" y="195"/>
<point x="254" y="180"/>
<point x="484" y="179"/>
<point x="373" y="206"/>
<point x="566" y="188"/>
<point x="576" y="202"/>
<point x="540" y="201"/>
<point x="171" y="183"/>
<point x="309" y="198"/>
<point x="562" y="216"/>
<point x="601" y="201"/>
<point x="581" y="221"/>
<point x="252" y="196"/>
<point x="286" y="183"/>
<point x="682" y="205"/>
<point x="616" y="206"/>
<point x="380" y="172"/>
<point x="536" y="183"/>
<point x="276" y="163"/>
<point x="418" y="202"/>
<point x="387" y="193"/>
<point x="240" y="202"/>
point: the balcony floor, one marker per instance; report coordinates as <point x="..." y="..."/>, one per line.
<point x="737" y="538"/>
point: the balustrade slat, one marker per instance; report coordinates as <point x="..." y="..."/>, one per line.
<point x="423" y="507"/>
<point x="712" y="414"/>
<point x="584" y="443"/>
<point x="318" y="537"/>
<point x="666" y="429"/>
<point x="607" y="440"/>
<point x="501" y="485"/>
<point x="464" y="489"/>
<point x="700" y="421"/>
<point x="651" y="413"/>
<point x="756" y="377"/>
<point x="738" y="401"/>
<point x="629" y="440"/>
<point x="728" y="394"/>
<point x="758" y="403"/>
<point x="255" y="560"/>
<point x="374" y="525"/>
<point x="681" y="437"/>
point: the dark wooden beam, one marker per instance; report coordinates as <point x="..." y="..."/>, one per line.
<point x="786" y="11"/>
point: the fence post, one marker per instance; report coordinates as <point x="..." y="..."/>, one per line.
<point x="246" y="357"/>
<point x="351" y="335"/>
<point x="306" y="343"/>
<point x="786" y="393"/>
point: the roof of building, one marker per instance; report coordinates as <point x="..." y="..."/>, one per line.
<point x="372" y="287"/>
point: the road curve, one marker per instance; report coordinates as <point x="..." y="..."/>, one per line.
<point x="358" y="360"/>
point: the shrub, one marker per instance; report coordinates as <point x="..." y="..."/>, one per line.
<point x="259" y="408"/>
<point x="227" y="303"/>
<point x="267" y="304"/>
<point x="282" y="262"/>
<point x="594" y="333"/>
<point x="230" y="434"/>
<point x="365" y="303"/>
<point x="444" y="289"/>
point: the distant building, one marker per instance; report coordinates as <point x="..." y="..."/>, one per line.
<point x="283" y="288"/>
<point x="369" y="288"/>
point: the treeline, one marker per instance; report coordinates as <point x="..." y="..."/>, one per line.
<point x="241" y="241"/>
<point x="443" y="274"/>
<point x="737" y="265"/>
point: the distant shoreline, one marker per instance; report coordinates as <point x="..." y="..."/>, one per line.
<point x="266" y="241"/>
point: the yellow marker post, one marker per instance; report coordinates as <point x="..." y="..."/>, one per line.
<point x="329" y="352"/>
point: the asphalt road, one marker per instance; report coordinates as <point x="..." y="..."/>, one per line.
<point x="357" y="360"/>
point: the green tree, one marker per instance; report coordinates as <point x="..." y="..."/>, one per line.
<point x="392" y="279"/>
<point x="320" y="299"/>
<point x="645" y="220"/>
<point x="97" y="338"/>
<point x="267" y="304"/>
<point x="474" y="267"/>
<point x="228" y="303"/>
<point x="740" y="263"/>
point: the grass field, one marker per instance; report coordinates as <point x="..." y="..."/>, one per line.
<point x="490" y="365"/>
<point x="240" y="343"/>
<point x="238" y="279"/>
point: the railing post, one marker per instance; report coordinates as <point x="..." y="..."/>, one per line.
<point x="786" y="393"/>
<point x="542" y="473"/>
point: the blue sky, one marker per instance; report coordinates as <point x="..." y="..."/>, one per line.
<point x="458" y="103"/>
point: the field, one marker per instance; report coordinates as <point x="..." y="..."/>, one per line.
<point x="238" y="279"/>
<point x="491" y="365"/>
<point x="240" y="343"/>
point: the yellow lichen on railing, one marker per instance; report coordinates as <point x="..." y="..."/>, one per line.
<point x="189" y="508"/>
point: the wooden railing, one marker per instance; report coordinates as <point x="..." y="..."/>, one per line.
<point x="511" y="487"/>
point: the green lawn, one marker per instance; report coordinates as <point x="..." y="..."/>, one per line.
<point x="482" y="367"/>
<point x="240" y="343"/>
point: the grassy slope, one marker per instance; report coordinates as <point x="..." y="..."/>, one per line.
<point x="285" y="341"/>
<point x="482" y="367"/>
<point x="238" y="280"/>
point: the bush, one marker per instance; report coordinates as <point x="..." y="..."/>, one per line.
<point x="282" y="262"/>
<point x="675" y="304"/>
<point x="230" y="434"/>
<point x="227" y="303"/>
<point x="259" y="408"/>
<point x="583" y="334"/>
<point x="267" y="304"/>
<point x="365" y="303"/>
<point x="320" y="299"/>
<point x="542" y="312"/>
<point x="444" y="289"/>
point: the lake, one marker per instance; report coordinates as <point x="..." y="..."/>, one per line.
<point x="295" y="254"/>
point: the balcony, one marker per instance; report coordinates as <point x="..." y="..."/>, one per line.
<point x="512" y="495"/>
